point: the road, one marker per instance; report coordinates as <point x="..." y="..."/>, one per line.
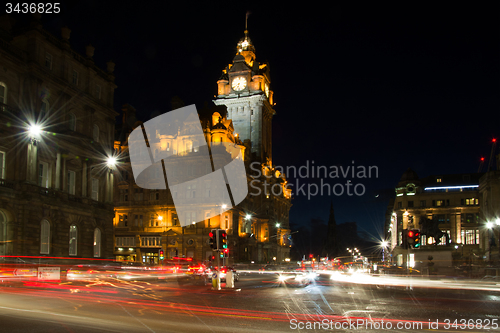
<point x="257" y="305"/>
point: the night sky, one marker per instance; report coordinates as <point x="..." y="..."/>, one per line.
<point x="399" y="86"/>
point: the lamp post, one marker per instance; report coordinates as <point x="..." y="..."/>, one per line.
<point x="384" y="244"/>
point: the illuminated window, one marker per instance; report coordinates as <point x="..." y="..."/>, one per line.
<point x="71" y="182"/>
<point x="97" y="242"/>
<point x="73" y="241"/>
<point x="438" y="180"/>
<point x="43" y="175"/>
<point x="44" y="237"/>
<point x="95" y="189"/>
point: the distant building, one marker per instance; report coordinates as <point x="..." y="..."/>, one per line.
<point x="453" y="201"/>
<point x="56" y="125"/>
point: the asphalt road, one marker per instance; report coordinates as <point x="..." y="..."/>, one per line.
<point x="257" y="305"/>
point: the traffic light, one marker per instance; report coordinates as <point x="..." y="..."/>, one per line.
<point x="410" y="240"/>
<point x="223" y="240"/>
<point x="416" y="239"/>
<point x="161" y="255"/>
<point x="212" y="241"/>
<point x="404" y="239"/>
<point x="310" y="256"/>
<point x="226" y="253"/>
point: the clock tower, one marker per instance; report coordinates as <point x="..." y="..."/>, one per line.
<point x="244" y="88"/>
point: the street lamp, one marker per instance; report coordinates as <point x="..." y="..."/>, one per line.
<point x="111" y="161"/>
<point x="384" y="244"/>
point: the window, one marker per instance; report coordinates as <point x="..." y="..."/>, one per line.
<point x="410" y="203"/>
<point x="152" y="241"/>
<point x="73" y="235"/>
<point x="139" y="195"/>
<point x="2" y="165"/>
<point x="191" y="217"/>
<point x="175" y="220"/>
<point x="95" y="133"/>
<point x="422" y="203"/>
<point x="44" y="237"/>
<point x="438" y="203"/>
<point x="123" y="195"/>
<point x="72" y="122"/>
<point x="470" y="237"/>
<point x="43" y="175"/>
<point x="98" y="92"/>
<point x="125" y="241"/>
<point x="95" y="189"/>
<point x="3" y="93"/>
<point x="48" y="61"/>
<point x="438" y="180"/>
<point x="472" y="201"/>
<point x="44" y="109"/>
<point x="400" y="204"/>
<point x="71" y="182"/>
<point x="97" y="242"/>
<point x="75" y="78"/>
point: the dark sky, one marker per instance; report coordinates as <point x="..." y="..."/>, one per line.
<point x="396" y="86"/>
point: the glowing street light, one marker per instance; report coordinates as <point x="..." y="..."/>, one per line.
<point x="111" y="161"/>
<point x="224" y="206"/>
<point x="277" y="225"/>
<point x="489" y="225"/>
<point x="248" y="217"/>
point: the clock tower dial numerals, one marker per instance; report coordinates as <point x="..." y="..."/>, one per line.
<point x="239" y="83"/>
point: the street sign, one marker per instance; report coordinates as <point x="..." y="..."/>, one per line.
<point x="49" y="273"/>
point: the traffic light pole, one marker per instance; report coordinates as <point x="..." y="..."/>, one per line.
<point x="218" y="270"/>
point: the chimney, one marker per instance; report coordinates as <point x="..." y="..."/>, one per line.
<point x="89" y="51"/>
<point x="110" y="66"/>
<point x="65" y="32"/>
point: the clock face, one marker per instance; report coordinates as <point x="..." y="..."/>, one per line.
<point x="266" y="89"/>
<point x="239" y="83"/>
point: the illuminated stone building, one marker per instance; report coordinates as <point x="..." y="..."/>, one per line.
<point x="489" y="191"/>
<point x="453" y="200"/>
<point x="57" y="125"/>
<point x="258" y="229"/>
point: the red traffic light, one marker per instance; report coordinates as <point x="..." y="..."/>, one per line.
<point x="310" y="256"/>
<point x="211" y="234"/>
<point x="410" y="234"/>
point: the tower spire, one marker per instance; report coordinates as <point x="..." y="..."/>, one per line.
<point x="246" y="21"/>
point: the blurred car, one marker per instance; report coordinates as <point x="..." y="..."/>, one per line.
<point x="92" y="272"/>
<point x="297" y="278"/>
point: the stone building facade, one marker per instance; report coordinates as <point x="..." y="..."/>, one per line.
<point x="258" y="228"/>
<point x="57" y="124"/>
<point x="453" y="201"/>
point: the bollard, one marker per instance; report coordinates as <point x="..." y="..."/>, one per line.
<point x="229" y="279"/>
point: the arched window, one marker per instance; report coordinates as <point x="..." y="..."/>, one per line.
<point x="3" y="93"/>
<point x="97" y="242"/>
<point x="95" y="134"/>
<point x="44" y="237"/>
<point x="73" y="240"/>
<point x="72" y="122"/>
